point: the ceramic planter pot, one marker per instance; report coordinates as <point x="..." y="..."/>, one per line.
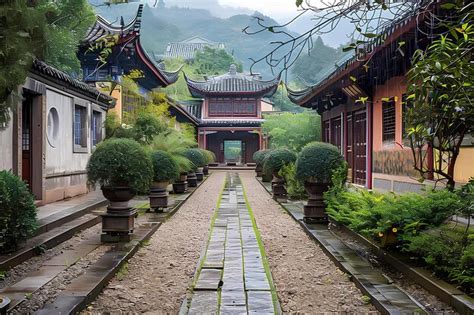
<point x="119" y="220"/>
<point x="315" y="209"/>
<point x="159" y="196"/>
<point x="192" y="179"/>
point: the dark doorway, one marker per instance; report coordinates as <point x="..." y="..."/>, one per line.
<point x="360" y="147"/>
<point x="26" y="136"/>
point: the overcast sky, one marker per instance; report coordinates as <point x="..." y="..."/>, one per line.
<point x="278" y="9"/>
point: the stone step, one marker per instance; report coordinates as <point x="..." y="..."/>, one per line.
<point x="58" y="213"/>
<point x="37" y="244"/>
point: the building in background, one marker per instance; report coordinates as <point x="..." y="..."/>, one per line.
<point x="371" y="134"/>
<point x="230" y="114"/>
<point x="52" y="133"/>
<point x="187" y="49"/>
<point x="126" y="57"/>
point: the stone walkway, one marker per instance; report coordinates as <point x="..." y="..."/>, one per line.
<point x="233" y="277"/>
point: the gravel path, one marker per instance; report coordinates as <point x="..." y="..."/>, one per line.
<point x="159" y="274"/>
<point x="307" y="281"/>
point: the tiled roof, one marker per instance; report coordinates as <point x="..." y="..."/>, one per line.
<point x="129" y="35"/>
<point x="349" y="60"/>
<point x="193" y="107"/>
<point x="188" y="48"/>
<point x="62" y="78"/>
<point x="103" y="28"/>
<point x="233" y="83"/>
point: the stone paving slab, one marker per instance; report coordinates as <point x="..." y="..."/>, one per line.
<point x="245" y="285"/>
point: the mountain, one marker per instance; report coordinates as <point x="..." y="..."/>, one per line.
<point x="161" y="25"/>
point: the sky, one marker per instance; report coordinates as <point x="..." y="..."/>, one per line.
<point x="280" y="10"/>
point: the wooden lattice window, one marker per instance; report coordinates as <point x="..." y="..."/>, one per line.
<point x="388" y="120"/>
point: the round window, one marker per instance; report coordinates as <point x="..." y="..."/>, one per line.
<point x="53" y="126"/>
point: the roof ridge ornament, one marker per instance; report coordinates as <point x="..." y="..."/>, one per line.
<point x="233" y="69"/>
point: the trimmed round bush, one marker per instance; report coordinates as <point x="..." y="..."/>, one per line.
<point x="17" y="212"/>
<point x="121" y="163"/>
<point x="317" y="161"/>
<point x="275" y="159"/>
<point x="259" y="156"/>
<point x="146" y="127"/>
<point x="196" y="157"/>
<point x="164" y="166"/>
<point x="209" y="155"/>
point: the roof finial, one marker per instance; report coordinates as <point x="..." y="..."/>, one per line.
<point x="232" y="69"/>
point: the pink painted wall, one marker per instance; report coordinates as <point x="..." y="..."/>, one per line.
<point x="394" y="87"/>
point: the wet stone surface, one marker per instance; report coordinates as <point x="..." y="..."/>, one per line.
<point x="233" y="246"/>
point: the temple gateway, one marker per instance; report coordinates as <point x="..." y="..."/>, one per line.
<point x="230" y="114"/>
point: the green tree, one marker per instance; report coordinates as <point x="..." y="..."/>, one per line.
<point x="441" y="93"/>
<point x="214" y="61"/>
<point x="45" y="29"/>
<point x="282" y="102"/>
<point x="292" y="131"/>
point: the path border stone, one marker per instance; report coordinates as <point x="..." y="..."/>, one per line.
<point x="386" y="297"/>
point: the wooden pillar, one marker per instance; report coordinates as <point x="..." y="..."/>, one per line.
<point x="369" y="146"/>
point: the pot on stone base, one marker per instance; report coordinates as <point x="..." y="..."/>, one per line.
<point x="118" y="222"/>
<point x="192" y="179"/>
<point x="180" y="186"/>
<point x="159" y="196"/>
<point x="315" y="209"/>
<point x="200" y="174"/>
<point x="205" y="170"/>
<point x="259" y="170"/>
<point x="278" y="187"/>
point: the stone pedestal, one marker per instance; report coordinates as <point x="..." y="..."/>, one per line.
<point x="315" y="209"/>
<point x="192" y="179"/>
<point x="278" y="188"/>
<point x="205" y="170"/>
<point x="200" y="175"/>
<point x="158" y="199"/>
<point x="259" y="170"/>
<point x="180" y="187"/>
<point x="118" y="222"/>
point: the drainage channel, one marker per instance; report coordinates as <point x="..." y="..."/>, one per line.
<point x="233" y="275"/>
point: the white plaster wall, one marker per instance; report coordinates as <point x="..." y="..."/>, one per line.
<point x="60" y="156"/>
<point x="6" y="147"/>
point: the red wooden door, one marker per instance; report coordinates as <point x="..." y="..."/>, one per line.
<point x="336" y="133"/>
<point x="360" y="147"/>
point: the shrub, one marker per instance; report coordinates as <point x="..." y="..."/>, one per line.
<point x="317" y="161"/>
<point x="17" y="212"/>
<point x="209" y="155"/>
<point x="147" y="126"/>
<point x="164" y="166"/>
<point x="276" y="159"/>
<point x="196" y="157"/>
<point x="259" y="156"/>
<point x="293" y="186"/>
<point x="121" y="162"/>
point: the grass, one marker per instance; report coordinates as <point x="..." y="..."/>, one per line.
<point x="123" y="272"/>
<point x="261" y="247"/>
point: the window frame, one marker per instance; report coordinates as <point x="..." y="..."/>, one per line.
<point x="83" y="147"/>
<point x="96" y="111"/>
<point x="393" y="112"/>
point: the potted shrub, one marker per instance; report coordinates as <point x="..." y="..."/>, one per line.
<point x="259" y="158"/>
<point x="274" y="161"/>
<point x="198" y="161"/>
<point x="211" y="158"/>
<point x="17" y="212"/>
<point x="122" y="168"/>
<point x="314" y="168"/>
<point x="165" y="169"/>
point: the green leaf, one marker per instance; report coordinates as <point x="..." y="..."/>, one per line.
<point x="370" y="35"/>
<point x="270" y="29"/>
<point x="354" y="79"/>
<point x="299" y="3"/>
<point x="23" y="34"/>
<point x="448" y="6"/>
